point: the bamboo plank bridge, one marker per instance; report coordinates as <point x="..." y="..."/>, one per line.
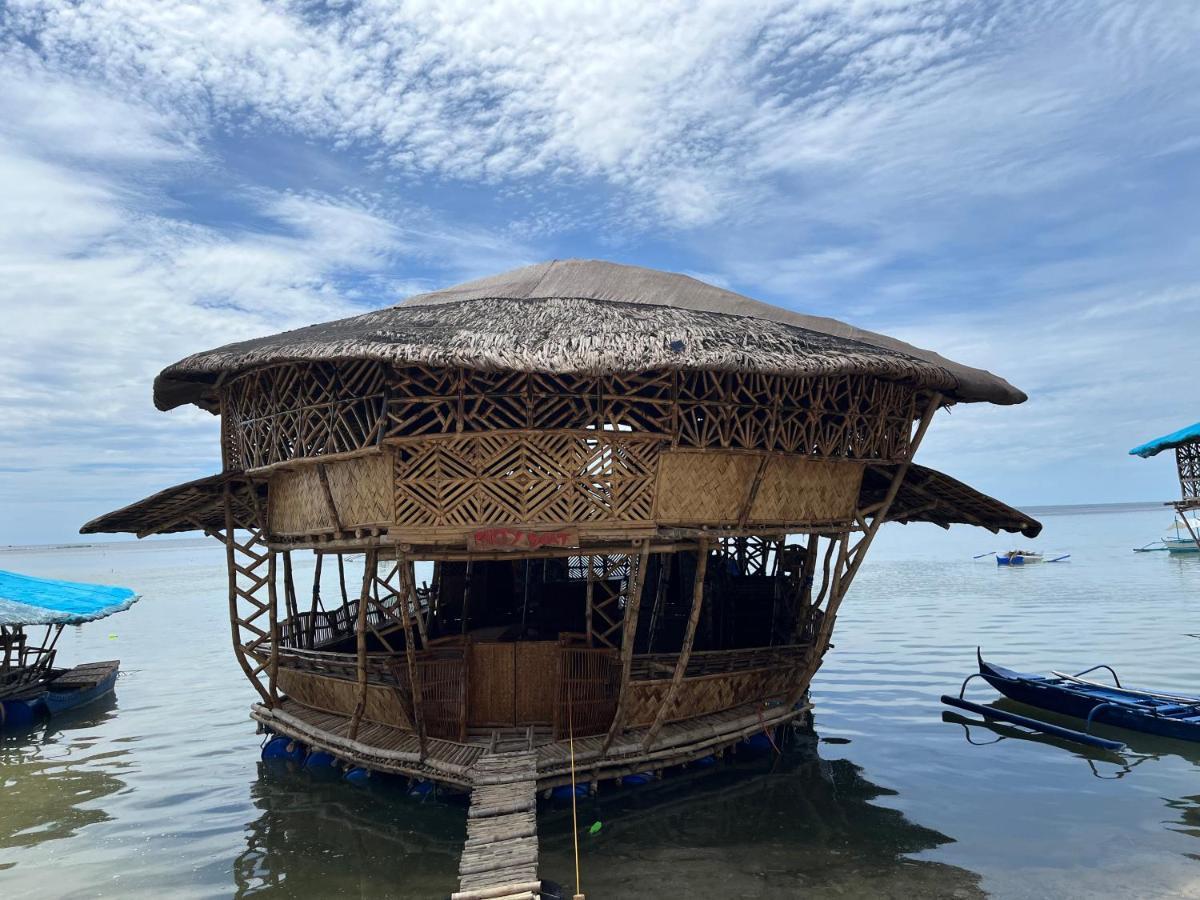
<point x="500" y="855"/>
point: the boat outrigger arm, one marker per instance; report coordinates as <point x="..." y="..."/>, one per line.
<point x="991" y="712"/>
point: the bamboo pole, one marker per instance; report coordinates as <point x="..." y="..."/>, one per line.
<point x="685" y="651"/>
<point x="360" y="631"/>
<point x="466" y="604"/>
<point x="414" y="675"/>
<point x="628" y="638"/>
<point x="273" y="618"/>
<point x="591" y="586"/>
<point x="665" y="560"/>
<point x="316" y="602"/>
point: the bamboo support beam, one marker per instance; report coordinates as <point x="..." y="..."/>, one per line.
<point x="273" y="613"/>
<point x="407" y="590"/>
<point x="685" y="651"/>
<point x="360" y="632"/>
<point x="628" y="638"/>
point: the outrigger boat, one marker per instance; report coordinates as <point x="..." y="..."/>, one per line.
<point x="31" y="687"/>
<point x="1026" y="558"/>
<point x="1167" y="715"/>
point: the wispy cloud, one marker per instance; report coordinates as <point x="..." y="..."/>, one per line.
<point x="1006" y="183"/>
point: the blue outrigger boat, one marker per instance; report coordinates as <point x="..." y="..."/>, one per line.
<point x="31" y="688"/>
<point x="1167" y="715"/>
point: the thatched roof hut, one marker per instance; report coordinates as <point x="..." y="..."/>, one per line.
<point x="643" y="499"/>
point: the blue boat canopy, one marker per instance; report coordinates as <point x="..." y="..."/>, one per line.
<point x="1168" y="441"/>
<point x="25" y="600"/>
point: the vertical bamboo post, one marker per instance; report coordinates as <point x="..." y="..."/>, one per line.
<point x="291" y="607"/>
<point x="685" y="652"/>
<point x="414" y="676"/>
<point x="466" y="604"/>
<point x="316" y="602"/>
<point x="370" y="562"/>
<point x="665" y="561"/>
<point x="591" y="587"/>
<point x="273" y="614"/>
<point x="628" y="637"/>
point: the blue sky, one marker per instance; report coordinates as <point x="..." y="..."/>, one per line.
<point x="1013" y="185"/>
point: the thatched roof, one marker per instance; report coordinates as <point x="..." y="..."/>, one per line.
<point x="190" y="506"/>
<point x="589" y="317"/>
<point x="925" y="496"/>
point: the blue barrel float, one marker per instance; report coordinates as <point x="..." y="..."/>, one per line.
<point x="284" y="748"/>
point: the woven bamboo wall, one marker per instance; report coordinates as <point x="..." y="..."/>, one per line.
<point x="338" y="695"/>
<point x="707" y="694"/>
<point x="359" y="495"/>
<point x="715" y="487"/>
<point x="456" y="485"/>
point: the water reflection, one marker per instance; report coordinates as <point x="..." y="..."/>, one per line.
<point x="51" y="778"/>
<point x="315" y="838"/>
<point x="772" y="826"/>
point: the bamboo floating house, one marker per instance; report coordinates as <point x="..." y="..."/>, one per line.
<point x="640" y="499"/>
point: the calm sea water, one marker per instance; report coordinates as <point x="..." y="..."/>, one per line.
<point x="160" y="791"/>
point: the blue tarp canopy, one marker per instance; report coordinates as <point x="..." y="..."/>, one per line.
<point x="1168" y="441"/>
<point x="25" y="600"/>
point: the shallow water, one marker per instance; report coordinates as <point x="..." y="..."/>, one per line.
<point x="160" y="790"/>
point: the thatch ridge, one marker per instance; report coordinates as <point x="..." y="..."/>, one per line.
<point x="589" y="317"/>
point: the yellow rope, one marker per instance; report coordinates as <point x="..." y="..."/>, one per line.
<point x="574" y="816"/>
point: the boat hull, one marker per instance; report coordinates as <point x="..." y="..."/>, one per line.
<point x="1080" y="701"/>
<point x="66" y="690"/>
<point x="1181" y="545"/>
<point x="1018" y="560"/>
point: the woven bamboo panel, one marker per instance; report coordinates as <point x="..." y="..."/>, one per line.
<point x="800" y="489"/>
<point x="305" y="410"/>
<point x="536" y="682"/>
<point x="490" y="687"/>
<point x="360" y="490"/>
<point x="532" y="478"/>
<point x="337" y="695"/>
<point x="707" y="488"/>
<point x="298" y="504"/>
<point x="707" y="694"/>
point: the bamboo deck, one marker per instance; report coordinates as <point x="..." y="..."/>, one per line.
<point x="396" y="750"/>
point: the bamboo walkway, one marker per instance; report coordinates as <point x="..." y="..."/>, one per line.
<point x="499" y="858"/>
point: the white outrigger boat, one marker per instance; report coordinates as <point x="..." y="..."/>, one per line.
<point x="1183" y="540"/>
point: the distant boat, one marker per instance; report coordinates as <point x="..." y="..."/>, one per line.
<point x="1167" y="715"/>
<point x="31" y="687"/>
<point x="1019" y="558"/>
<point x="1181" y="541"/>
<point x="1026" y="558"/>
